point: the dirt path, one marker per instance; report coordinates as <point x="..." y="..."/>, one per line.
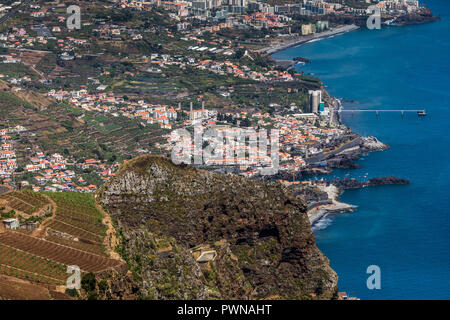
<point x="110" y="242"/>
<point x="4" y="189"/>
<point x="41" y="230"/>
<point x="41" y="74"/>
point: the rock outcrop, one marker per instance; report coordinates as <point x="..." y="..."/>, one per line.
<point x="353" y="183"/>
<point x="188" y="233"/>
<point x="371" y="144"/>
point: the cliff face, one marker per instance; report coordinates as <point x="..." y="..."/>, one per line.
<point x="193" y="234"/>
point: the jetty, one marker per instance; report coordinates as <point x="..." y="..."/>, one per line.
<point x="421" y="113"/>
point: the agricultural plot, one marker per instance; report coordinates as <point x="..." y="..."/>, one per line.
<point x="77" y="215"/>
<point x="58" y="253"/>
<point x="89" y="247"/>
<point x="25" y="201"/>
<point x="25" y="265"/>
<point x="74" y="231"/>
<point x="45" y="260"/>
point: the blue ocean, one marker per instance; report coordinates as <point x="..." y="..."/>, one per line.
<point x="405" y="230"/>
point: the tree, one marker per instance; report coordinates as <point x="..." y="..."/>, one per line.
<point x="245" y="123"/>
<point x="88" y="282"/>
<point x="239" y="53"/>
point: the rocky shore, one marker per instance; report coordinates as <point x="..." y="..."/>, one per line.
<point x="319" y="210"/>
<point x="352" y="183"/>
<point x="323" y="199"/>
<point x="343" y="157"/>
<point x="424" y="15"/>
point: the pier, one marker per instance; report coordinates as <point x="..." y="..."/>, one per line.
<point x="420" y="113"/>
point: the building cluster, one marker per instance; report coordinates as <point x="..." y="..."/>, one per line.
<point x="107" y="102"/>
<point x="398" y="6"/>
<point x="18" y="38"/>
<point x="243" y="71"/>
<point x="311" y="28"/>
<point x="223" y="8"/>
<point x="8" y="160"/>
<point x="51" y="173"/>
<point x="300" y="136"/>
<point x="115" y="32"/>
<point x="240" y="14"/>
<point x="200" y="116"/>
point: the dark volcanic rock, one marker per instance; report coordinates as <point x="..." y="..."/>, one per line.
<point x="354" y="184"/>
<point x="387" y="180"/>
<point x="168" y="215"/>
<point x="423" y="16"/>
<point x="345" y="161"/>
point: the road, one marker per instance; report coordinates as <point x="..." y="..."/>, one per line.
<point x="319" y="157"/>
<point x="7" y="16"/>
<point x="302" y="39"/>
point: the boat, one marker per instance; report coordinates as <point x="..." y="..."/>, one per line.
<point x="421" y="113"/>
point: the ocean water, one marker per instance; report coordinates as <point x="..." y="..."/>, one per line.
<point x="405" y="230"/>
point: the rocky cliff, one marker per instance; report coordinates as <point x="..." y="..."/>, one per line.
<point x="193" y="234"/>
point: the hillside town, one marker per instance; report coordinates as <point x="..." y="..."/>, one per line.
<point x="188" y="150"/>
<point x="217" y="44"/>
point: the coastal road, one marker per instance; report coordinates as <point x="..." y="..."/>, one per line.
<point x="319" y="157"/>
<point x="302" y="39"/>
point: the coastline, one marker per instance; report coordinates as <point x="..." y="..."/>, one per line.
<point x="350" y="151"/>
<point x="320" y="211"/>
<point x="317" y="213"/>
<point x="299" y="40"/>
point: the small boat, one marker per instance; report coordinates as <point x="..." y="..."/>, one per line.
<point x="421" y="113"/>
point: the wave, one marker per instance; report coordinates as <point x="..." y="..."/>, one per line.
<point x="322" y="223"/>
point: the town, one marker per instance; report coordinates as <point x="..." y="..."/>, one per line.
<point x="209" y="69"/>
<point x="167" y="150"/>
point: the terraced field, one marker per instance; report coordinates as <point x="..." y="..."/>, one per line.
<point x="49" y="250"/>
<point x="25" y="201"/>
<point x="77" y="216"/>
<point x="26" y="265"/>
<point x="89" y="247"/>
<point x="72" y="235"/>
